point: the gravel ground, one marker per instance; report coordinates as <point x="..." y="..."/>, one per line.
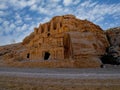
<point x="59" y="78"/>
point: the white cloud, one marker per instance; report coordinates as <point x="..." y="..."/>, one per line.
<point x="21" y="22"/>
<point x="28" y="18"/>
<point x="33" y="7"/>
<point x="22" y="3"/>
<point x="3" y="6"/>
<point x="76" y="2"/>
<point x="6" y="23"/>
<point x="1" y="20"/>
<point x="18" y="22"/>
<point x="17" y="36"/>
<point x="46" y="19"/>
<point x="86" y="3"/>
<point x="59" y="9"/>
<point x="2" y="13"/>
<point x="67" y="2"/>
<point x="55" y="1"/>
<point x="40" y="9"/>
<point x="43" y="10"/>
<point x="5" y="40"/>
<point x="18" y="19"/>
<point x="1" y="30"/>
<point x="17" y="16"/>
<point x="99" y="19"/>
<point x="7" y="27"/>
<point x="24" y="27"/>
<point x="96" y="11"/>
<point x="12" y="26"/>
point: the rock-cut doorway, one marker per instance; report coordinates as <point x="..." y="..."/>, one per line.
<point x="46" y="55"/>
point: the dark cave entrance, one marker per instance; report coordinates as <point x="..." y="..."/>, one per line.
<point x="46" y="55"/>
<point x="28" y="55"/>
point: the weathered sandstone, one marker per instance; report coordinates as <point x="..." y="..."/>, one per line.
<point x="66" y="38"/>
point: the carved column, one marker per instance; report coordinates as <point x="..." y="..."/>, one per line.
<point x="35" y="30"/>
<point x="40" y="29"/>
<point x="58" y="26"/>
<point x="55" y="53"/>
<point x="51" y="26"/>
<point x="45" y="28"/>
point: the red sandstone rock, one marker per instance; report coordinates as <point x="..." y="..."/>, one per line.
<point x="69" y="38"/>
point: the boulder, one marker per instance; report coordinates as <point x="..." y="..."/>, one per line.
<point x="113" y="51"/>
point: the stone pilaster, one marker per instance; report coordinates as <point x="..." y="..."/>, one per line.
<point x="51" y="26"/>
<point x="40" y="29"/>
<point x="35" y="30"/>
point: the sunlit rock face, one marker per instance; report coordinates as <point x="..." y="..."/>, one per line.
<point x="66" y="38"/>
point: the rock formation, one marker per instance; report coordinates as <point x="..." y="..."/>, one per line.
<point x="11" y="52"/>
<point x="66" y="38"/>
<point x="113" y="51"/>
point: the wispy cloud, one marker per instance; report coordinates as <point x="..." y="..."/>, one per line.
<point x="2" y="13"/>
<point x="67" y="2"/>
<point x="19" y="17"/>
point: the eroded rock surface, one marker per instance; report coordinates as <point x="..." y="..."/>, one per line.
<point x="11" y="52"/>
<point x="66" y="38"/>
<point x="113" y="52"/>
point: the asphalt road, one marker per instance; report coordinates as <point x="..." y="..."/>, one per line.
<point x="65" y="73"/>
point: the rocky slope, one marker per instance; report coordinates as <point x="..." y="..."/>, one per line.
<point x="11" y="52"/>
<point x="69" y="41"/>
<point x="113" y="51"/>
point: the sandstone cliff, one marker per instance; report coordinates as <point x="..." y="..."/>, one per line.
<point x="79" y="42"/>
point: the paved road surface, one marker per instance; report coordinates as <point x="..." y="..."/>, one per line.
<point x="102" y="73"/>
<point x="59" y="79"/>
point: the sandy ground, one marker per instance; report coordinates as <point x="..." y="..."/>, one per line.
<point x="59" y="79"/>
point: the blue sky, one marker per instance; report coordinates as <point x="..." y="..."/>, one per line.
<point x="19" y="17"/>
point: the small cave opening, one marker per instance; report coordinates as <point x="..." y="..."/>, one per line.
<point x="28" y="55"/>
<point x="48" y="34"/>
<point x="46" y="55"/>
<point x="109" y="59"/>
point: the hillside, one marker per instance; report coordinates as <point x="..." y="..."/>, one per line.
<point x="64" y="41"/>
